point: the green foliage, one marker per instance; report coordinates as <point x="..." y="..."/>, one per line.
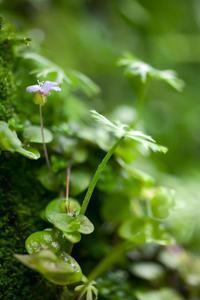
<point x="19" y="218"/>
<point x="32" y="134"/>
<point x="142" y="231"/>
<point x="48" y="239"/>
<point x="135" y="67"/>
<point x="161" y="203"/>
<point x="123" y="131"/>
<point x="129" y="202"/>
<point x="148" y="270"/>
<point x="10" y="142"/>
<point x="87" y="290"/>
<point x="7" y="78"/>
<point x="163" y="294"/>
<point x="75" y="80"/>
<point x="60" y="270"/>
<point x="70" y="223"/>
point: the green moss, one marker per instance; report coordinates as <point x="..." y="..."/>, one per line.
<point x="21" y="196"/>
<point x="21" y="200"/>
<point x="7" y="79"/>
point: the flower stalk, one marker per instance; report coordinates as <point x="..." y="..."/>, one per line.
<point x="97" y="174"/>
<point x="43" y="138"/>
<point x="68" y="173"/>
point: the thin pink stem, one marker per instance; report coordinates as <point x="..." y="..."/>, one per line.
<point x="68" y="173"/>
<point x="43" y="139"/>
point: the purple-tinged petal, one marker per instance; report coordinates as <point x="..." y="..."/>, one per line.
<point x="33" y="88"/>
<point x="56" y="88"/>
<point x="50" y="83"/>
<point x="49" y="86"/>
<point x="44" y="88"/>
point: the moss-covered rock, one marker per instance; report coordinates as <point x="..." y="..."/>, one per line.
<point x="7" y="62"/>
<point x="21" y="196"/>
<point x="21" y="200"/>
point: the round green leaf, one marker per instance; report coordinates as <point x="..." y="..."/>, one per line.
<point x="79" y="181"/>
<point x="33" y="134"/>
<point x="49" y="180"/>
<point x="64" y="222"/>
<point x="59" y="205"/>
<point x="86" y="227"/>
<point x="60" y="270"/>
<point x="43" y="240"/>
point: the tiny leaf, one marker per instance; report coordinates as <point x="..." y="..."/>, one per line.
<point x="86" y="227"/>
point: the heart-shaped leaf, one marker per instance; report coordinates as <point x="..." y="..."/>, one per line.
<point x="79" y="181"/>
<point x="49" y="180"/>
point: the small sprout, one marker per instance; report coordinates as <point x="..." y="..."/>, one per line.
<point x="87" y="290"/>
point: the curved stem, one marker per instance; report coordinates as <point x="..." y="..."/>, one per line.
<point x="112" y="258"/>
<point x="142" y="95"/>
<point x="68" y="173"/>
<point x="43" y="138"/>
<point x="96" y="176"/>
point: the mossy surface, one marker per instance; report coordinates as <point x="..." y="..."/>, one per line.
<point x="21" y="195"/>
<point x="21" y="200"/>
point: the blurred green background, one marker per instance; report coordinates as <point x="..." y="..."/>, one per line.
<point x="90" y="36"/>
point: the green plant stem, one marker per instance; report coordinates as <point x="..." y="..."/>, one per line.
<point x="142" y="95"/>
<point x="97" y="174"/>
<point x="68" y="173"/>
<point x="43" y="138"/>
<point x="112" y="258"/>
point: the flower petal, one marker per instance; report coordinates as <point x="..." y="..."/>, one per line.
<point x="56" y="88"/>
<point x="33" y="88"/>
<point x="48" y="86"/>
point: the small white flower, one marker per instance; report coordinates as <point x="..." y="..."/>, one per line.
<point x="44" y="88"/>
